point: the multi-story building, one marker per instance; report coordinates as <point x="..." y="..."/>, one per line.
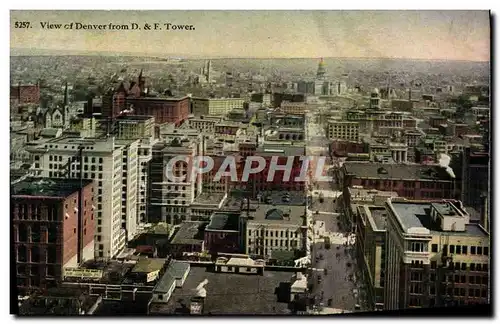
<point x="413" y="181"/>
<point x="170" y="198"/>
<point x="164" y="110"/>
<point x="53" y="229"/>
<point x="284" y="120"/>
<point x="371" y="251"/>
<point x="293" y="108"/>
<point x="101" y="161"/>
<point x="222" y="233"/>
<point x="113" y="102"/>
<point x="352" y="197"/>
<point x="475" y="177"/>
<point x="228" y="131"/>
<point x="343" y="130"/>
<point x="25" y="94"/>
<point x="277" y="133"/>
<point x="215" y="106"/>
<point x="271" y="227"/>
<point x="204" y="124"/>
<point x="434" y="256"/>
<point x="259" y="182"/>
<point x="135" y="126"/>
<point x="129" y="185"/>
<point x="132" y="128"/>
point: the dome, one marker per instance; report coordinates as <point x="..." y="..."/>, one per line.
<point x="275" y="214"/>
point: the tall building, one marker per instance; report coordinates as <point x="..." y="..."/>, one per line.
<point x="475" y="177"/>
<point x="170" y="198"/>
<point x="53" y="229"/>
<point x="114" y="102"/>
<point x="434" y="256"/>
<point x="130" y="188"/>
<point x="164" y="110"/>
<point x="102" y="161"/>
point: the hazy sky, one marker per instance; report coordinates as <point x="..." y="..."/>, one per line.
<point x="451" y="35"/>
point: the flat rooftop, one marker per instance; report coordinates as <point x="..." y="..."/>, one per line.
<point x="224" y="221"/>
<point x="229" y="293"/>
<point x="396" y="171"/>
<point x="48" y="187"/>
<point x="273" y="214"/>
<point x="209" y="199"/>
<point x="280" y="150"/>
<point x="379" y="216"/>
<point x="189" y="233"/>
<point x="418" y="215"/>
<point x="134" y="117"/>
<point x="147" y="265"/>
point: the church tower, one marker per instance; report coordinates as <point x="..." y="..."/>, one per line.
<point x="141" y="81"/>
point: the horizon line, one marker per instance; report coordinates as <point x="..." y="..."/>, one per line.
<point x="200" y="56"/>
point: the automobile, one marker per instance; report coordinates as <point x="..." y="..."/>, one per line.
<point x="321" y="257"/>
<point x="319" y="279"/>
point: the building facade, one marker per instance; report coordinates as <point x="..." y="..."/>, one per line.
<point x="434" y="256"/>
<point x="53" y="229"/>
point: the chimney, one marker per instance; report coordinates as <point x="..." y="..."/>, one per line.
<point x="196" y="306"/>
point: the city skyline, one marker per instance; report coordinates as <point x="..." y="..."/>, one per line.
<point x="421" y="35"/>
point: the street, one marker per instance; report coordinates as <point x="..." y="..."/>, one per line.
<point x="333" y="270"/>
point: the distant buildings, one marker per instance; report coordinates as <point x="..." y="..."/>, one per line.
<point x="53" y="229"/>
<point x="215" y="106"/>
<point x="343" y="130"/>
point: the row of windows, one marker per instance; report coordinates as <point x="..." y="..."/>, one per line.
<point x="462" y="249"/>
<point x="275" y="233"/>
<point x="293" y="243"/>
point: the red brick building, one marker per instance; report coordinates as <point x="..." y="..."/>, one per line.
<point x="164" y="110"/>
<point x="258" y="182"/>
<point x="222" y="233"/>
<point x="114" y="102"/>
<point x="25" y="94"/>
<point x="412" y="181"/>
<point x="341" y="148"/>
<point x="53" y="228"/>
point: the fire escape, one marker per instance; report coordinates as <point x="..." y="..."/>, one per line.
<point x="445" y="271"/>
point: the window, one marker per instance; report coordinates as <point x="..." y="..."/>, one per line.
<point x="464" y="249"/>
<point x="472" y="250"/>
<point x="452" y="248"/>
<point x="485" y="250"/>
<point x="479" y="250"/>
<point x="434" y="247"/>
